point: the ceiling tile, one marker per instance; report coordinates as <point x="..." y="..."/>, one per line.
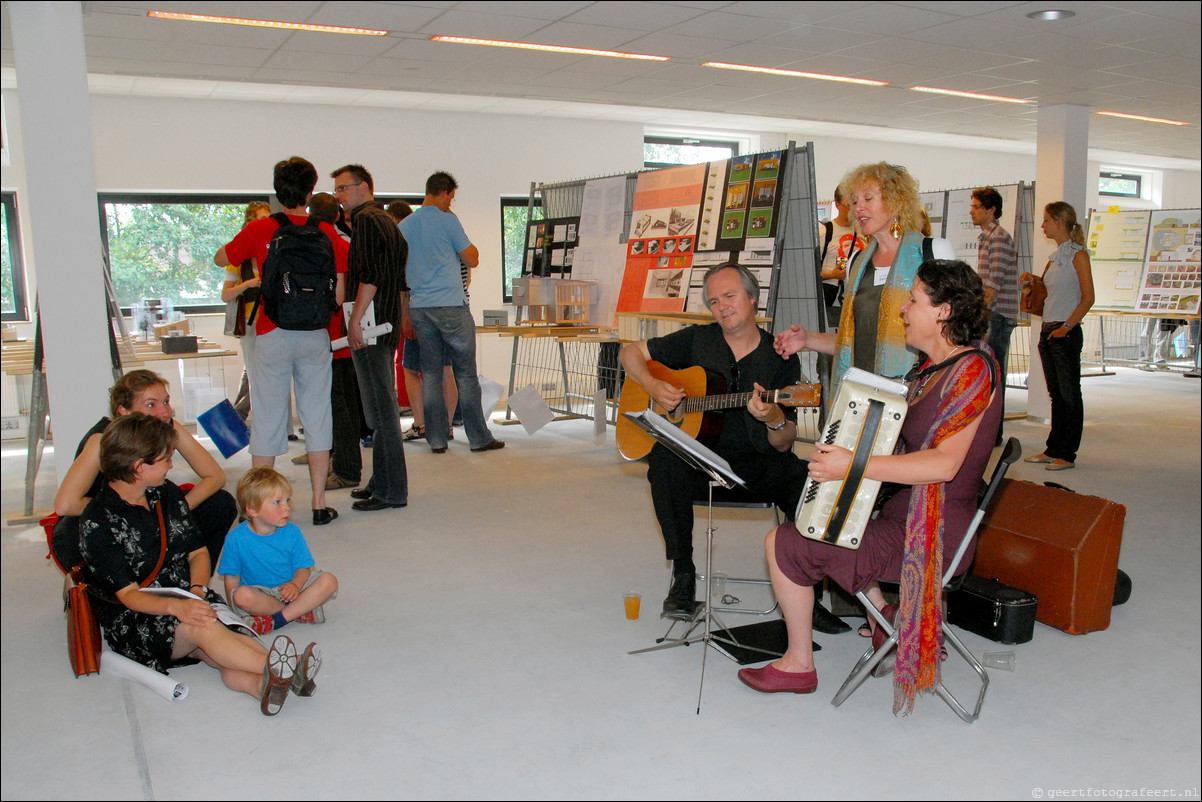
<point x="731" y="27"/>
<point x="650" y="16"/>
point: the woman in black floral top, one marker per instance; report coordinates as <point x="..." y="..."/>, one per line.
<point x="121" y="542"/>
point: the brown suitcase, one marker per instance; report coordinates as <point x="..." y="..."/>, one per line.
<point x="1060" y="545"/>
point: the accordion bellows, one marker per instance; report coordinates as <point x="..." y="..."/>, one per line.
<point x="866" y="418"/>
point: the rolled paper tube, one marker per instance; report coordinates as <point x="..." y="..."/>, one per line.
<point x="369" y="333"/>
<point x="116" y="665"/>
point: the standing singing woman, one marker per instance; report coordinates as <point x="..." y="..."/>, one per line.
<point x="1070" y="296"/>
<point x="887" y="210"/>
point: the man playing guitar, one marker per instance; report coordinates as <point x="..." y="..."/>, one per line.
<point x="757" y="440"/>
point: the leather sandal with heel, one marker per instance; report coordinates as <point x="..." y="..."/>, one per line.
<point x="278" y="673"/>
<point x="307" y="666"/>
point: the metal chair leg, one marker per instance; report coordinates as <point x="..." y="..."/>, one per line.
<point x="947" y="696"/>
<point x="871" y="657"/>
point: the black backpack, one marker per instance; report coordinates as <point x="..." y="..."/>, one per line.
<point x="299" y="276"/>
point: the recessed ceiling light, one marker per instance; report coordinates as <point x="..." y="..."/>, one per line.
<point x="265" y="23"/>
<point x="579" y="51"/>
<point x="973" y="95"/>
<point x="1051" y="14"/>
<point x="1138" y="117"/>
<point x="794" y="73"/>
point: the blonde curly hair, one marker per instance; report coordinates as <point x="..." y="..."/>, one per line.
<point x="257" y="485"/>
<point x="899" y="192"/>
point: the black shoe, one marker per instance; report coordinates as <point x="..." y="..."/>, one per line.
<point x="323" y="517"/>
<point x="373" y="504"/>
<point x="440" y="449"/>
<point x="827" y="622"/>
<point x="493" y="446"/>
<point x="361" y="493"/>
<point x="682" y="597"/>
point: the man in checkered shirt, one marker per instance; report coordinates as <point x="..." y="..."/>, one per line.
<point x="997" y="262"/>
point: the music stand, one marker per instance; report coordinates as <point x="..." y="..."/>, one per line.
<point x="697" y="456"/>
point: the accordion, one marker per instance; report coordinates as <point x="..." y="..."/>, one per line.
<point x="866" y="419"/>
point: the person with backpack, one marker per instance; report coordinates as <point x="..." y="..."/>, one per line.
<point x="303" y="263"/>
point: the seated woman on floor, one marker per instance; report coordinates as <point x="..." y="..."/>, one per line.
<point x="137" y="535"/>
<point x="946" y="442"/>
<point x="142" y="391"/>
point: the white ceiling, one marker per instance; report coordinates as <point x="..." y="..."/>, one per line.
<point x="1132" y="57"/>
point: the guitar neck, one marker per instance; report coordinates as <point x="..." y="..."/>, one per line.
<point x="706" y="403"/>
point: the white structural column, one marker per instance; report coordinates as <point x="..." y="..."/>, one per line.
<point x="1061" y="173"/>
<point x="48" y="50"/>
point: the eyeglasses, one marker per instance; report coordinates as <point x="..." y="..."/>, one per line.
<point x="344" y="187"/>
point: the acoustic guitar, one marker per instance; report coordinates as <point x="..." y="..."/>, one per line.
<point x="698" y="414"/>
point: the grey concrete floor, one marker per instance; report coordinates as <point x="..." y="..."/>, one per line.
<point x="478" y="649"/>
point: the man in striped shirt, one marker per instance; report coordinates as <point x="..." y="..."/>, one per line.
<point x="997" y="262"/>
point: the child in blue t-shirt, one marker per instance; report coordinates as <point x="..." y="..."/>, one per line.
<point x="269" y="575"/>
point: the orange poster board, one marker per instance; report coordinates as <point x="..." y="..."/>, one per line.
<point x="659" y="252"/>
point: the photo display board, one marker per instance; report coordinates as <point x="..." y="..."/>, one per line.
<point x="1116" y="243"/>
<point x="550" y="247"/>
<point x="750" y="206"/>
<point x="663" y="238"/>
<point x="1171" y="281"/>
<point x="647" y="238"/>
<point x="959" y="229"/>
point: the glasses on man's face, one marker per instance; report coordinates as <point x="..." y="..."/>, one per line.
<point x="340" y="188"/>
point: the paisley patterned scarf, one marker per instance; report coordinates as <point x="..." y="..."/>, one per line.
<point x="964" y="396"/>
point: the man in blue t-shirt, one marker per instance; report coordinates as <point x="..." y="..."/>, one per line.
<point x="437" y="313"/>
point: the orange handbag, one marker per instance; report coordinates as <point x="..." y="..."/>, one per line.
<point x="83" y="632"/>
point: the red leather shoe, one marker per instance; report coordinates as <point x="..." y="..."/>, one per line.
<point x="889" y="661"/>
<point x="889" y="611"/>
<point x="770" y="679"/>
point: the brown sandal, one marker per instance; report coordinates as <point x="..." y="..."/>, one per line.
<point x="303" y="682"/>
<point x="414" y="432"/>
<point x="278" y="672"/>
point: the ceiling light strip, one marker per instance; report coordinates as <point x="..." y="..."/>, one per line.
<point x="578" y="51"/>
<point x="265" y="23"/>
<point x="794" y="73"/>
<point x="1144" y="119"/>
<point x="973" y="95"/>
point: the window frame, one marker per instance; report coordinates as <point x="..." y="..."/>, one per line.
<point x="1138" y="178"/>
<point x="16" y="259"/>
<point x="515" y="202"/>
<point x="173" y="198"/>
<point x="697" y="141"/>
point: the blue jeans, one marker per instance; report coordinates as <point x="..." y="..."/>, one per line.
<point x="1062" y="371"/>
<point x="375" y="368"/>
<point x="449" y="332"/>
<point x="998" y="340"/>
